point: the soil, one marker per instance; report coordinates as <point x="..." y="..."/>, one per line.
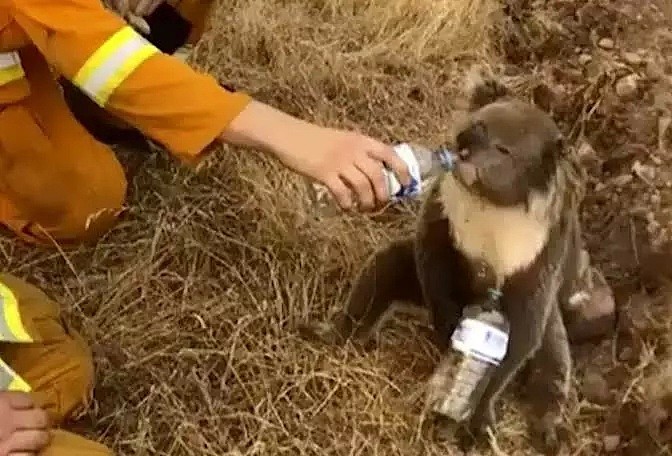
<point x="189" y="303"/>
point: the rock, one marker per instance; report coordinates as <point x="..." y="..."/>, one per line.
<point x="585" y="59"/>
<point x="627" y="86"/>
<point x="606" y="43"/>
<point x="632" y="58"/>
<point x="654" y="71"/>
<point x="622" y="180"/>
<point x="611" y="443"/>
<point x="645" y="172"/>
<point x="656" y="159"/>
<point x="595" y="388"/>
<point x="586" y="154"/>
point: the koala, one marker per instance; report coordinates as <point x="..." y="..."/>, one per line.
<point x="507" y="212"/>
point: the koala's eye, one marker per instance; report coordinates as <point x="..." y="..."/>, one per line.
<point x="503" y="149"/>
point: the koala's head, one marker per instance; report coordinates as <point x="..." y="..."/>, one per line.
<point x="508" y="148"/>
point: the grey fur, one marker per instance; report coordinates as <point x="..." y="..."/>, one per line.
<point x="536" y="285"/>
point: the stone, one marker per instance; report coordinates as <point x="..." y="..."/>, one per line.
<point x="595" y="388"/>
<point x="606" y="43"/>
<point x="622" y="180"/>
<point x="627" y="86"/>
<point x="611" y="443"/>
<point x="631" y="58"/>
<point x="585" y="59"/>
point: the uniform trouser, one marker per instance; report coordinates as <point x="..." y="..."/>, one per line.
<point x="64" y="185"/>
<point x="59" y="368"/>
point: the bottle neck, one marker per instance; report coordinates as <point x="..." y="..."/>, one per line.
<point x="445" y="158"/>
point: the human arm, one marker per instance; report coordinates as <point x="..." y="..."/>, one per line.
<point x="186" y="111"/>
<point x="340" y="160"/>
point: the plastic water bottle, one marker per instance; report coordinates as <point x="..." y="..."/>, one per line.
<point x="482" y="338"/>
<point x="422" y="163"/>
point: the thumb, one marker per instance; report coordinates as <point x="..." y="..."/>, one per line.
<point x="386" y="154"/>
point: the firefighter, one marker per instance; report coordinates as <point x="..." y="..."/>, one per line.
<point x="60" y="184"/>
<point x="46" y="376"/>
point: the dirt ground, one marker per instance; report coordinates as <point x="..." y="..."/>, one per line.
<point x="190" y="301"/>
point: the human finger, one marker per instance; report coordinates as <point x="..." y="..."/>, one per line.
<point x="139" y="23"/>
<point x="340" y="192"/>
<point x="120" y="6"/>
<point x="35" y="419"/>
<point x="27" y="441"/>
<point x="373" y="169"/>
<point x="19" y="401"/>
<point x="146" y="7"/>
<point x="386" y="154"/>
<point x="361" y="185"/>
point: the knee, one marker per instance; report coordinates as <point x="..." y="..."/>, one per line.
<point x="76" y="381"/>
<point x="65" y="443"/>
<point x="94" y="209"/>
<point x="89" y="206"/>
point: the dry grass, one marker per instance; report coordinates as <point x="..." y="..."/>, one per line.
<point x="190" y="302"/>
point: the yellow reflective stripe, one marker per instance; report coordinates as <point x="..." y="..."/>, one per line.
<point x="20" y="385"/>
<point x="113" y="62"/>
<point x="11" y="381"/>
<point x="11" y="326"/>
<point x="10" y="67"/>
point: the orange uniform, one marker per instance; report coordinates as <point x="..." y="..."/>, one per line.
<point x="56" y="181"/>
<point x="41" y="356"/>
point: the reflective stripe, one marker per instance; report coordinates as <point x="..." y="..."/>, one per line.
<point x="112" y="63"/>
<point x="11" y="326"/>
<point x="10" y="380"/>
<point x="10" y="67"/>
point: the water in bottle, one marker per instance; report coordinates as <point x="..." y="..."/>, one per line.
<point x="481" y="340"/>
<point x="422" y="163"/>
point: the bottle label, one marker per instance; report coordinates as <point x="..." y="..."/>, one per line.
<point x="480" y="340"/>
<point x="395" y="189"/>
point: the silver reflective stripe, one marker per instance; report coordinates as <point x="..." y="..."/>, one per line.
<point x="9" y="60"/>
<point x="100" y="77"/>
<point x="112" y="63"/>
<point x="10" y="68"/>
<point x="5" y="333"/>
<point x="10" y="380"/>
<point x="6" y="377"/>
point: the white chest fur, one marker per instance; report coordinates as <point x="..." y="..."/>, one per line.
<point x="509" y="239"/>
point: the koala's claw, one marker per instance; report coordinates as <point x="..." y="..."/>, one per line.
<point x="482" y="420"/>
<point x="320" y="332"/>
<point x="548" y="438"/>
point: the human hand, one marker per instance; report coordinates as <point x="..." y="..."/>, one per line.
<point x="134" y="11"/>
<point x="345" y="162"/>
<point x="23" y="427"/>
<point x="349" y="164"/>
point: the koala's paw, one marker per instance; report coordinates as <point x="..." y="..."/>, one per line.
<point x="549" y="434"/>
<point x="323" y="332"/>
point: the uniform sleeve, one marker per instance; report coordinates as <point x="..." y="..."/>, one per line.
<point x="122" y="72"/>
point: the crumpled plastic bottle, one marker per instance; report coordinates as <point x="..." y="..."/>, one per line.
<point x="482" y="340"/>
<point x="422" y="163"/>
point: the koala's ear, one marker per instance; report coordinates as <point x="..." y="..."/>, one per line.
<point x="561" y="145"/>
<point x="483" y="89"/>
<point x="555" y="148"/>
<point x="544" y="97"/>
<point x="474" y="135"/>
